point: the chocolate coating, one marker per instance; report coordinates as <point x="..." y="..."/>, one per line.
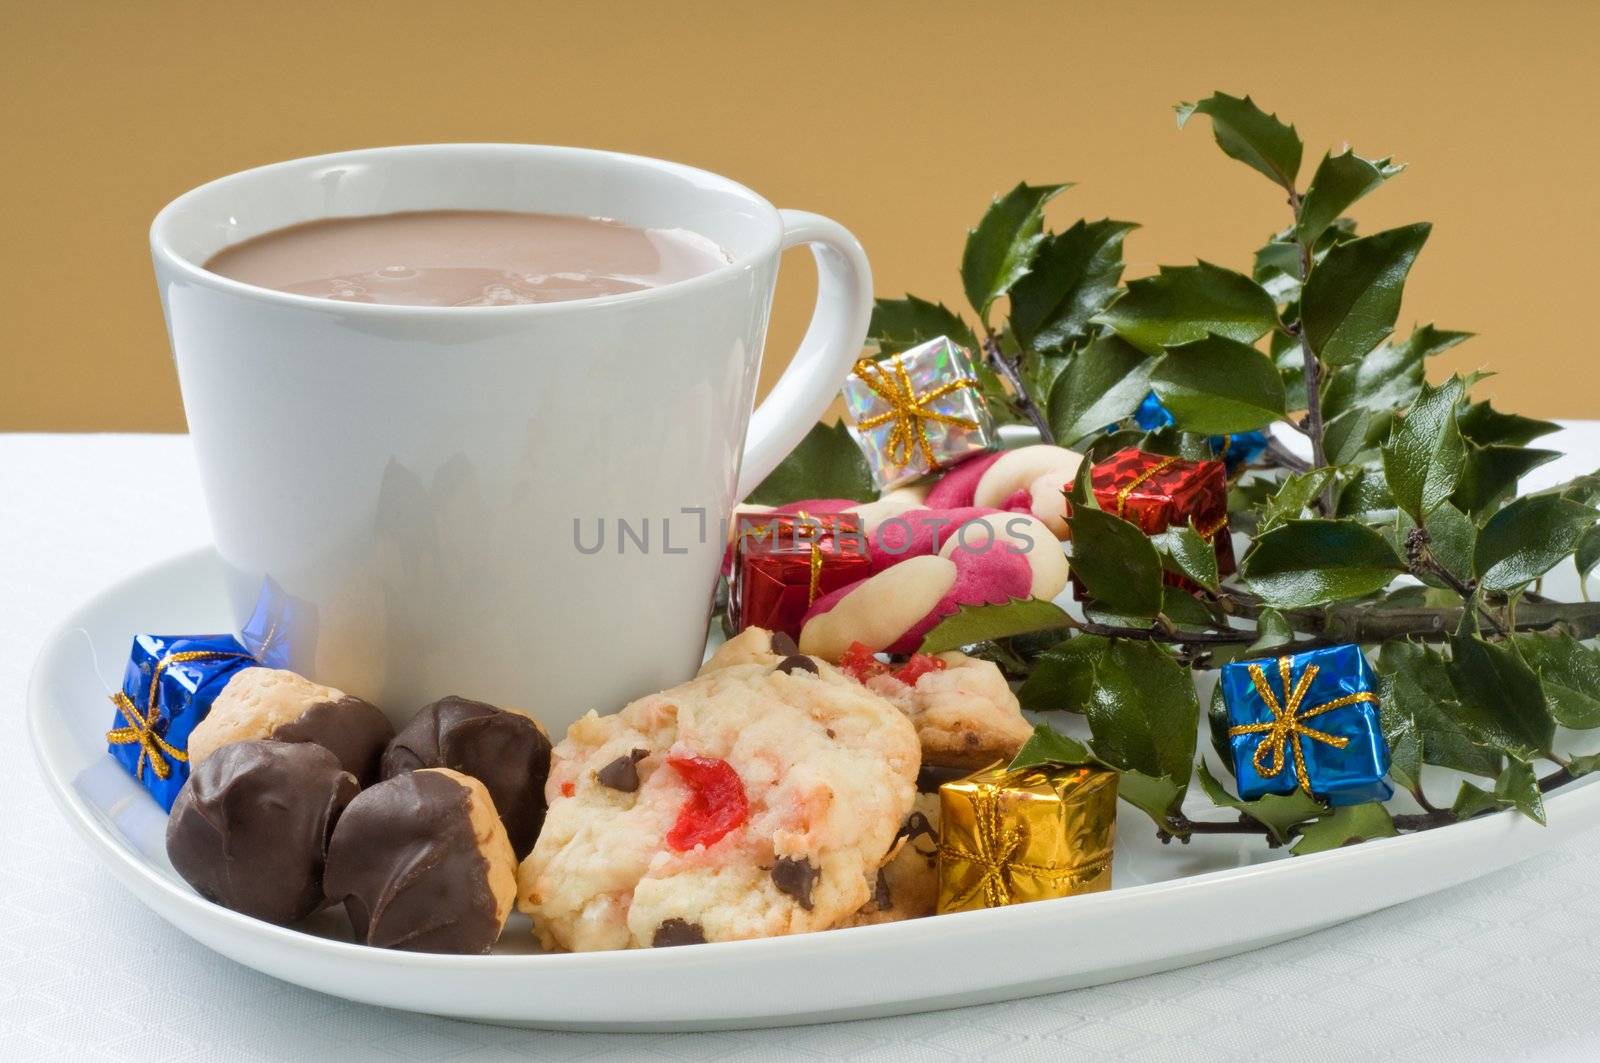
<point x="250" y="828"/>
<point x="405" y="861"/>
<point x="353" y="730"/>
<point x="506" y="751"/>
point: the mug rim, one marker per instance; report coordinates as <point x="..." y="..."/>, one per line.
<point x="161" y="245"/>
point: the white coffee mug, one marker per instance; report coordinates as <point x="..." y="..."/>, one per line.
<point x="519" y="504"/>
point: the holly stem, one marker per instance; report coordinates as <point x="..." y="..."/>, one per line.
<point x="1020" y="397"/>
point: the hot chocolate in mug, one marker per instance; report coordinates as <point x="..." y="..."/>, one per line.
<point x="523" y="504"/>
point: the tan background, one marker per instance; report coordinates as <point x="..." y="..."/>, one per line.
<point x="900" y="120"/>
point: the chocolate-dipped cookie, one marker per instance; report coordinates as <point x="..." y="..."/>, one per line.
<point x="250" y="828"/>
<point x="422" y="863"/>
<point x="506" y="751"/>
<point x="287" y="707"/>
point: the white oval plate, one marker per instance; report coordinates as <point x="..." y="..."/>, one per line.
<point x="1171" y="906"/>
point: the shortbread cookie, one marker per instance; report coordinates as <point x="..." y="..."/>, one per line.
<point x="965" y="713"/>
<point x="287" y="707"/>
<point x="752" y="801"/>
<point x="422" y="863"/>
<point x="507" y="751"/>
<point x="753" y="645"/>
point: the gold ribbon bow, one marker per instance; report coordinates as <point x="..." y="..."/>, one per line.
<point x="1138" y="481"/>
<point x="810" y="530"/>
<point x="995" y="845"/>
<point x="908" y="410"/>
<point x="153" y="747"/>
<point x="1288" y="721"/>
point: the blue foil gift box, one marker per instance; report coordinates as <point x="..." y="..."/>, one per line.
<point x="1307" y="721"/>
<point x="167" y="688"/>
<point x="918" y="411"/>
<point x="1233" y="450"/>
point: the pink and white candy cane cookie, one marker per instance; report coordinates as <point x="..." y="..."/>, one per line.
<point x="1029" y="480"/>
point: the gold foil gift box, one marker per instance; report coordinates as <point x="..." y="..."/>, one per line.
<point x="1009" y="836"/>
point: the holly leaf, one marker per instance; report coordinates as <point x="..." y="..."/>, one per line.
<point x="984" y="623"/>
<point x="1490" y="475"/>
<point x="1401" y="731"/>
<point x="1293" y="499"/>
<point x="1074" y="275"/>
<point x="1143" y="710"/>
<point x="826" y="464"/>
<point x="1352" y="298"/>
<point x="1182" y="304"/>
<point x="1586" y="557"/>
<point x="1484" y="425"/>
<point x="1570" y="674"/>
<point x="1499" y="696"/>
<point x="1159" y="797"/>
<point x="1365" y="494"/>
<point x="1277" y="268"/>
<point x="1452" y="539"/>
<point x="1314" y="562"/>
<point x="1063" y="675"/>
<point x="1390" y="377"/>
<point x="1517" y="787"/>
<point x="1184" y="551"/>
<point x="1101" y="385"/>
<point x="1417" y="695"/>
<point x="1423" y="457"/>
<point x="898" y="324"/>
<point x="1279" y="813"/>
<point x="1528" y="538"/>
<point x="1000" y="249"/>
<point x="1247" y="133"/>
<point x="1272" y="631"/>
<point x="1346" y="826"/>
<point x="1340" y="180"/>
<point x="1117" y="563"/>
<point x="1217" y="386"/>
<point x="1048" y="746"/>
<point x="1347" y="437"/>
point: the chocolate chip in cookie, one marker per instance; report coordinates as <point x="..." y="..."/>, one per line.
<point x="783" y="643"/>
<point x="796" y="662"/>
<point x="622" y="773"/>
<point x="795" y="876"/>
<point x="678" y="932"/>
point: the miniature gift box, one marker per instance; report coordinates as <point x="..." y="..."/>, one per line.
<point x="1307" y="721"/>
<point x="1010" y="836"/>
<point x="1232" y="450"/>
<point x="918" y="411"/>
<point x="1155" y="492"/>
<point x="784" y="562"/>
<point x="167" y="689"/>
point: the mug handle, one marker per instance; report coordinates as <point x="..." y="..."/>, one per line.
<point x="831" y="345"/>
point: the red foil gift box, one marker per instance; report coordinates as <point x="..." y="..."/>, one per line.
<point x="1155" y="492"/>
<point x="784" y="562"/>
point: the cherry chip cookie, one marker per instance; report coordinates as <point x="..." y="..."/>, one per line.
<point x="755" y="800"/>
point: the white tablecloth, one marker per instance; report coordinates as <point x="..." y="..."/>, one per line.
<point x="1504" y="967"/>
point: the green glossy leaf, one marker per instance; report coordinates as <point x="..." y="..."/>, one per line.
<point x="1346" y="826"/>
<point x="1499" y="695"/>
<point x="826" y="464"/>
<point x="1340" y="180"/>
<point x="1247" y="133"/>
<point x="1277" y="268"/>
<point x="1000" y="249"/>
<point x="1294" y="498"/>
<point x="1517" y="787"/>
<point x="1453" y="538"/>
<point x="1348" y="436"/>
<point x="1074" y="275"/>
<point x="1101" y="385"/>
<point x="1570" y="673"/>
<point x="1482" y="424"/>
<point x="1528" y="538"/>
<point x="1365" y="495"/>
<point x="1116" y="562"/>
<point x="1182" y="304"/>
<point x="1185" y="552"/>
<point x="1273" y="630"/>
<point x="1216" y="386"/>
<point x="1401" y="731"/>
<point x="1423" y="457"/>
<point x="982" y="623"/>
<point x="1313" y="562"/>
<point x="1586" y="557"/>
<point x="1388" y="378"/>
<point x="1143" y="711"/>
<point x="1158" y="797"/>
<point x="1063" y="676"/>
<point x="1490" y="475"/>
<point x="1417" y="694"/>
<point x="898" y="324"/>
<point x="1048" y="746"/>
<point x="1279" y="813"/>
<point x="1352" y="298"/>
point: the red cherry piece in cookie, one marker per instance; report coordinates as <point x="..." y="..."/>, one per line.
<point x="861" y="663"/>
<point x="918" y="666"/>
<point x="716" y="802"/>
